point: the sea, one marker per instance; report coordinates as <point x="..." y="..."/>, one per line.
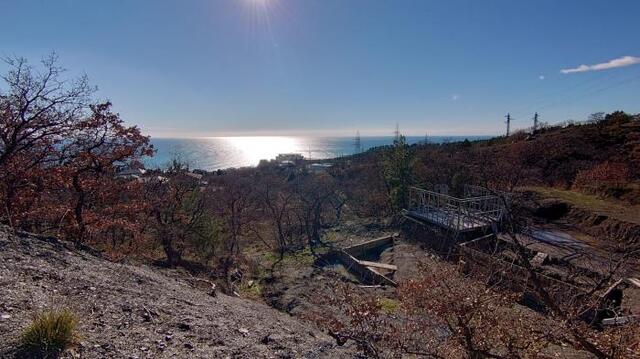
<point x="213" y="153"/>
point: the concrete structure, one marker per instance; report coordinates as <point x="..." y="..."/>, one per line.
<point x="499" y="261"/>
<point x="368" y="271"/>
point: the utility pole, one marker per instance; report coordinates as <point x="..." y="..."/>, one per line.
<point x="535" y="122"/>
<point x="357" y="144"/>
<point x="508" y="116"/>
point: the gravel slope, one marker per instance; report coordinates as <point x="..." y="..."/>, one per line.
<point x="128" y="311"/>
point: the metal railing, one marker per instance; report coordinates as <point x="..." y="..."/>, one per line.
<point x="459" y="214"/>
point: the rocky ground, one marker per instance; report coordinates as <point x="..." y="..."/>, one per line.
<point x="133" y="311"/>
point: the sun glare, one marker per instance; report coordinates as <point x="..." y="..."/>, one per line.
<point x="256" y="148"/>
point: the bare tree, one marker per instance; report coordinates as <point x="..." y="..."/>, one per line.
<point x="278" y="203"/>
<point x="180" y="213"/>
<point x="315" y="194"/>
<point x="578" y="312"/>
<point x="39" y="108"/>
<point x="236" y="206"/>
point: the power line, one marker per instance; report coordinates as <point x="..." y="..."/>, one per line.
<point x="592" y="85"/>
<point x="508" y="121"/>
<point x="357" y="143"/>
<point x="595" y="91"/>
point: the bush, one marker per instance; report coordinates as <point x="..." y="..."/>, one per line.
<point x="389" y="305"/>
<point x="49" y="334"/>
<point x="603" y="178"/>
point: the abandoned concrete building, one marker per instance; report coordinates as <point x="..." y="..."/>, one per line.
<point x="564" y="273"/>
<point x="467" y="230"/>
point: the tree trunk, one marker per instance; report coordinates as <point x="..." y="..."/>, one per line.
<point x="173" y="256"/>
<point x="79" y="210"/>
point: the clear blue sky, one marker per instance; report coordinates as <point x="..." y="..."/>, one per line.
<point x="218" y="67"/>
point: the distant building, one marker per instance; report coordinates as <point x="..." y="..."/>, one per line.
<point x="286" y="164"/>
<point x="197" y="176"/>
<point x="291" y="157"/>
<point x="152" y="179"/>
<point x="130" y="173"/>
<point x="319" y="167"/>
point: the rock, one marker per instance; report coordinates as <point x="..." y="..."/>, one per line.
<point x="146" y="316"/>
<point x="267" y="339"/>
<point x="5" y="316"/>
<point x="168" y="338"/>
<point x="188" y="345"/>
<point x="219" y="342"/>
<point x="184" y="327"/>
<point x="244" y="331"/>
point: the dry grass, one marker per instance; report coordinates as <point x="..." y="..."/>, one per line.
<point x="49" y="334"/>
<point x="614" y="208"/>
<point x="389" y="305"/>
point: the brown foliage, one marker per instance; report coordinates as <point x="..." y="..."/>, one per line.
<point x="58" y="157"/>
<point x="602" y="177"/>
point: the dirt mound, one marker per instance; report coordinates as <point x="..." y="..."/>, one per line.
<point x="607" y="220"/>
<point x="605" y="226"/>
<point x="129" y="311"/>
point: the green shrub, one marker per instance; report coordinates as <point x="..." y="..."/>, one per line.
<point x="251" y="289"/>
<point x="49" y="334"/>
<point x="388" y="305"/>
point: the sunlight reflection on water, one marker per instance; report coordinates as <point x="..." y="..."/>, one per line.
<point x="253" y="149"/>
<point x="213" y="153"/>
<point x="224" y="152"/>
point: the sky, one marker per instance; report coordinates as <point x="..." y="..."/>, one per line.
<point x="334" y="67"/>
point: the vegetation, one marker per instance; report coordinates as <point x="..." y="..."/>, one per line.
<point x="59" y="151"/>
<point x="50" y="333"/>
<point x="444" y="313"/>
<point x="397" y="172"/>
<point x="62" y="156"/>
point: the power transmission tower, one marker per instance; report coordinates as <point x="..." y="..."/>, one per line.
<point x="397" y="132"/>
<point x="535" y="122"/>
<point x="357" y="143"/>
<point x="508" y="121"/>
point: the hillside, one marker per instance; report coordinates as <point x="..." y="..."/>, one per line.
<point x="129" y="311"/>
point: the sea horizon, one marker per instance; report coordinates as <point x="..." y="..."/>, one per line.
<point x="212" y="153"/>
